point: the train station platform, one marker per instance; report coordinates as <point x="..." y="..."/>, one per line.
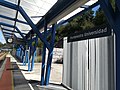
<point x="16" y="77"/>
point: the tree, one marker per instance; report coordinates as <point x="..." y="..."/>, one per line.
<point x="1" y="45"/>
<point x="99" y="19"/>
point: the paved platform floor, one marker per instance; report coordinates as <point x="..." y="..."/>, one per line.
<point x="24" y="80"/>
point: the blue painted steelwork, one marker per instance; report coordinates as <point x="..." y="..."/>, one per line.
<point x="9" y="18"/>
<point x="40" y="25"/>
<point x="26" y="57"/>
<point x="78" y="14"/>
<point x="113" y="18"/>
<point x="28" y="62"/>
<point x="8" y="33"/>
<point x="50" y="55"/>
<point x="7" y="36"/>
<point x="9" y="5"/>
<point x="33" y="59"/>
<point x="30" y="54"/>
<point x="8" y="25"/>
<point x="4" y="29"/>
<point x="26" y="17"/>
<point x="34" y="53"/>
<point x="54" y="12"/>
<point x="44" y="54"/>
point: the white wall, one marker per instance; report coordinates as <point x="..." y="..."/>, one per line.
<point x="89" y="64"/>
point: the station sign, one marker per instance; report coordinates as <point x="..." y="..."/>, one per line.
<point x="96" y="32"/>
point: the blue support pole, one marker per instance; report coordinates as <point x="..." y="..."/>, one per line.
<point x="43" y="54"/>
<point x="22" y="55"/>
<point x="50" y="55"/>
<point x="33" y="58"/>
<point x="16" y="52"/>
<point x="25" y="59"/>
<point x="30" y="54"/>
<point x="19" y="52"/>
<point x="26" y="17"/>
<point x="27" y="56"/>
<point x="113" y="18"/>
<point x="34" y="53"/>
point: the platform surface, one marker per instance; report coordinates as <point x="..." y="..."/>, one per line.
<point x="24" y="80"/>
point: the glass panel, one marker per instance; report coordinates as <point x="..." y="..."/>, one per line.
<point x="37" y="8"/>
<point x="18" y="35"/>
<point x="23" y="28"/>
<point x="7" y="12"/>
<point x="20" y="17"/>
<point x="89" y="3"/>
<point x="7" y="27"/>
<point x="6" y="21"/>
<point x="12" y="1"/>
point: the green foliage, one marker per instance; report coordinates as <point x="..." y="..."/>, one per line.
<point x="83" y="22"/>
<point x="99" y="18"/>
<point x="113" y="4"/>
<point x="38" y="59"/>
<point x="1" y="45"/>
<point x="40" y="44"/>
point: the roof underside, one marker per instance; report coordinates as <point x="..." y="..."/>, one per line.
<point x="52" y="10"/>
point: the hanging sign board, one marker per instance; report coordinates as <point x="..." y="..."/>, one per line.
<point x="96" y="32"/>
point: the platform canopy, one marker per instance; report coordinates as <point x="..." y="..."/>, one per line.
<point x="14" y="24"/>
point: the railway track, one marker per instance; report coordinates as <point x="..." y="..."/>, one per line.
<point x="2" y="58"/>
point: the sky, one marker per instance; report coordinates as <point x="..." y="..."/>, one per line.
<point x="2" y="40"/>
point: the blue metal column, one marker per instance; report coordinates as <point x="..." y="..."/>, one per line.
<point x="43" y="54"/>
<point x="29" y="56"/>
<point x="26" y="58"/>
<point x="23" y="59"/>
<point x="113" y="18"/>
<point x="34" y="53"/>
<point x="50" y="55"/>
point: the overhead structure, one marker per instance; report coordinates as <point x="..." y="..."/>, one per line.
<point x="23" y="19"/>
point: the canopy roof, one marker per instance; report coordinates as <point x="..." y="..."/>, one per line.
<point x="14" y="24"/>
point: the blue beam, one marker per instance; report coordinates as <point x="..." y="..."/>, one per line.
<point x="35" y="29"/>
<point x="79" y="13"/>
<point x="50" y="55"/>
<point x="11" y="30"/>
<point x="9" y="18"/>
<point x="114" y="20"/>
<point x="8" y="25"/>
<point x="16" y="13"/>
<point x="8" y="5"/>
<point x="8" y="33"/>
<point x="43" y="54"/>
<point x="26" y="17"/>
<point x="59" y="10"/>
